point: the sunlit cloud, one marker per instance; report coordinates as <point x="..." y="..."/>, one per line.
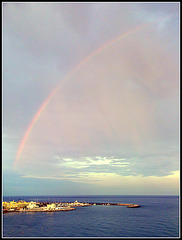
<point x="125" y="184"/>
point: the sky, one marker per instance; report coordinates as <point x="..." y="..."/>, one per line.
<point x="90" y="98"/>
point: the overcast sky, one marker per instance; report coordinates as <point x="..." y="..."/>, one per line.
<point x="90" y="98"/>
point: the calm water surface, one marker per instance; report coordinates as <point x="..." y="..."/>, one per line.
<point x="158" y="217"/>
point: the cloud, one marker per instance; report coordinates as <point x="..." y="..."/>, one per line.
<point x="111" y="102"/>
<point x="99" y="182"/>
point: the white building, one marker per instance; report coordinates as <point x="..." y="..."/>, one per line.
<point x="51" y="206"/>
<point x="32" y="205"/>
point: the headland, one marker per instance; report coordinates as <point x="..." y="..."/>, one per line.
<point x="23" y="206"/>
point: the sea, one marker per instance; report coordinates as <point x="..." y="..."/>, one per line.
<point x="157" y="217"/>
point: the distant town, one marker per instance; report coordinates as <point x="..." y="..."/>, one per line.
<point x="23" y="206"/>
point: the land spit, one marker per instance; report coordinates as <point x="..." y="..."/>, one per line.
<point x="22" y="206"/>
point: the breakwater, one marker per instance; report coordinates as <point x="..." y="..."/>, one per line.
<point x="129" y="205"/>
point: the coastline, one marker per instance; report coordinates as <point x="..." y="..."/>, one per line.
<point x="47" y="207"/>
<point x="23" y="211"/>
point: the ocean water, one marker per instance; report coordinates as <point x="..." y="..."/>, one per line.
<point x="158" y="216"/>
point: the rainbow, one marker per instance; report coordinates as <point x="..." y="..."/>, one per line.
<point x="52" y="94"/>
